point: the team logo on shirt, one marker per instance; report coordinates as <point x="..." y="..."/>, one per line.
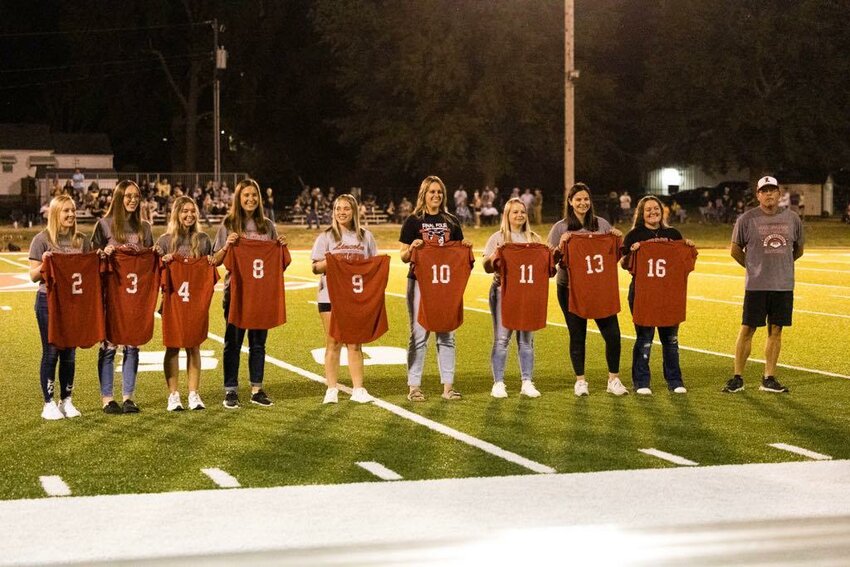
<point x="436" y="233"/>
<point x="774" y="241"/>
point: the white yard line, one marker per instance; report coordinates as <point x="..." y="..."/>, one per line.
<point x="379" y="470"/>
<point x="5" y="308"/>
<point x="800" y="451"/>
<point x="676" y="459"/>
<point x="742" y="277"/>
<point x="18" y="264"/>
<point x="54" y="486"/>
<point x="415" y="417"/>
<point x="796" y="267"/>
<point x="808" y="312"/>
<point x="221" y="478"/>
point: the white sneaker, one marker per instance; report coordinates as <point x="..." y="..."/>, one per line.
<point x="643" y="391"/>
<point x="680" y="390"/>
<point x="581" y="388"/>
<point x="498" y="390"/>
<point x="528" y="390"/>
<point x="68" y="409"/>
<point x="616" y="387"/>
<point x="51" y="411"/>
<point x="174" y="403"/>
<point x="361" y="396"/>
<point x="331" y="396"/>
<point x="195" y="402"/>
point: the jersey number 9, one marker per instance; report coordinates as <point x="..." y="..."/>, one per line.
<point x="357" y="283"/>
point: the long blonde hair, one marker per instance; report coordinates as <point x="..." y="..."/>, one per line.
<point x="53" y="228"/>
<point x="235" y="220"/>
<point x="177" y="232"/>
<point x="118" y="213"/>
<point x="505" y="228"/>
<point x="420" y="209"/>
<point x="335" y="229"/>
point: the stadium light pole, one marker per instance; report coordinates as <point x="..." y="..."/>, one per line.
<point x="570" y="75"/>
<point x="219" y="63"/>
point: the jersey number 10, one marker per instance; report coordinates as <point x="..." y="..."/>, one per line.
<point x="444" y="273"/>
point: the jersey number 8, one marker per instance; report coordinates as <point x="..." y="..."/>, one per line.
<point x="258" y="269"/>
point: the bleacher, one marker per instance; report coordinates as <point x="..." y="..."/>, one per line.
<point x="84" y="216"/>
<point x="300" y="218"/>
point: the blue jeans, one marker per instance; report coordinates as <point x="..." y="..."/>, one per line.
<point x="50" y="356"/>
<point x="418" y="343"/>
<point x="669" y="353"/>
<point x="233" y="338"/>
<point x="502" y="338"/>
<point x="106" y="369"/>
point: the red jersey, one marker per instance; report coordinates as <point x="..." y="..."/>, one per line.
<point x="591" y="261"/>
<point x="661" y="282"/>
<point x="131" y="279"/>
<point x="524" y="271"/>
<point x="356" y="288"/>
<point x="187" y="290"/>
<point x="257" y="299"/>
<point x="74" y="300"/>
<point x="442" y="273"/>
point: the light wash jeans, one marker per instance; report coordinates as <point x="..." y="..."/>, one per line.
<point x="419" y="341"/>
<point x="502" y="338"/>
<point x="106" y="368"/>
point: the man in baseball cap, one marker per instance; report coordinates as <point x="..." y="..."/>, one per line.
<point x="766" y="241"/>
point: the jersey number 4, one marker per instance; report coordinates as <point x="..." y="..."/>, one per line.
<point x="183" y="291"/>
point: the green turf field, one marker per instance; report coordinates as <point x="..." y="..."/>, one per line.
<point x="300" y="441"/>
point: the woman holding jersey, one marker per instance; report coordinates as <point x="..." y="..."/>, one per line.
<point x="649" y="224"/>
<point x="182" y="238"/>
<point x="60" y="237"/>
<point x="580" y="217"/>
<point x="245" y="219"/>
<point x="121" y="227"/>
<point x="346" y="237"/>
<point x="514" y="229"/>
<point x="430" y="220"/>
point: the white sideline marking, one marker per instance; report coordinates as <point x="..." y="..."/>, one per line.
<point x="669" y="457"/>
<point x="796" y="267"/>
<point x="54" y="486"/>
<point x="5" y="308"/>
<point x="841" y="296"/>
<point x="18" y="264"/>
<point x="379" y="470"/>
<point x="221" y="478"/>
<point x="742" y="277"/>
<point x="701" y="298"/>
<point x="801" y="451"/>
<point x="415" y="417"/>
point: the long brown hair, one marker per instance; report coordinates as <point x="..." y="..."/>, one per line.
<point x="641" y="205"/>
<point x="590" y="223"/>
<point x="53" y="228"/>
<point x="335" y="229"/>
<point x="236" y="218"/>
<point x="177" y="232"/>
<point x="119" y="214"/>
<point x="420" y="209"/>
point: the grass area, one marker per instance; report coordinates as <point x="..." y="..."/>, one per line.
<point x="825" y="233"/>
<point x="300" y="441"/>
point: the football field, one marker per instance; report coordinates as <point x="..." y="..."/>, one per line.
<point x="299" y="441"/>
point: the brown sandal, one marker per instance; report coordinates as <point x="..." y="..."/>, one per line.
<point x="416" y="395"/>
<point x="452" y="395"/>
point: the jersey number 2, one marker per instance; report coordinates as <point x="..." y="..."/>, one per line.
<point x="76" y="283"/>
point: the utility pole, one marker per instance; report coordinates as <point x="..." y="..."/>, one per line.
<point x="219" y="63"/>
<point x="570" y="75"/>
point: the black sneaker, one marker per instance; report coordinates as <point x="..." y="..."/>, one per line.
<point x="231" y="400"/>
<point x="735" y="384"/>
<point x="769" y="384"/>
<point x="112" y="408"/>
<point x="261" y="399"/>
<point x="130" y="407"/>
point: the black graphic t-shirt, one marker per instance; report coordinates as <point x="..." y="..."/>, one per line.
<point x="438" y="229"/>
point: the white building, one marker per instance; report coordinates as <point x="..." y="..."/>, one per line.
<point x="674" y="178"/>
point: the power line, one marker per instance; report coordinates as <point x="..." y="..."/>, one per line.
<point x="77" y="79"/>
<point x="112" y="62"/>
<point x="103" y="30"/>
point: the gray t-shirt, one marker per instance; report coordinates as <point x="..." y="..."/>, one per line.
<point x="250" y="233"/>
<point x="41" y="244"/>
<point x="768" y="241"/>
<point x="348" y="244"/>
<point x="184" y="245"/>
<point x="554" y="238"/>
<point x="496" y="240"/>
<point x="104" y="235"/>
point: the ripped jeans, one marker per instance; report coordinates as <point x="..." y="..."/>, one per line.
<point x="669" y="352"/>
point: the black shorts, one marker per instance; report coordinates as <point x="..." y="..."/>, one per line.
<point x="775" y="306"/>
<point x="324" y="307"/>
